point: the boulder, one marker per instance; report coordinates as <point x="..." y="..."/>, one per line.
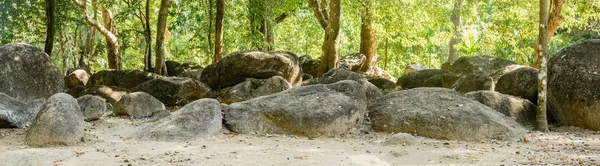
<point x="121" y="78"/>
<point x="174" y="91"/>
<point x="474" y="82"/>
<point x="15" y="114"/>
<point x="60" y="122"/>
<point x="173" y="68"/>
<point x="510" y="68"/>
<point x="138" y="104"/>
<point x="352" y="62"/>
<point x="573" y="81"/>
<point x="413" y="68"/>
<point x="522" y="110"/>
<point x="522" y="82"/>
<point x="195" y="74"/>
<point x="199" y="119"/>
<point x="422" y="78"/>
<point x="254" y="88"/>
<point x="467" y="66"/>
<point x="92" y="107"/>
<point x="309" y="66"/>
<point x="10" y="116"/>
<point x="441" y="113"/>
<point x="28" y="73"/>
<point x="236" y="67"/>
<point x="78" y="77"/>
<point x="382" y="83"/>
<point x="336" y="75"/>
<point x="313" y="111"/>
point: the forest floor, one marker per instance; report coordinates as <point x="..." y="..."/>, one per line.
<point x="107" y="144"/>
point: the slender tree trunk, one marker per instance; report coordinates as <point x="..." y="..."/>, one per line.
<point x="219" y="30"/>
<point x="368" y="38"/>
<point x="554" y="21"/>
<point x="457" y="21"/>
<point x="210" y="27"/>
<point x="49" y="27"/>
<point x="331" y="23"/>
<point x="163" y="13"/>
<point x="113" y="48"/>
<point x="541" y="120"/>
<point x="148" y="37"/>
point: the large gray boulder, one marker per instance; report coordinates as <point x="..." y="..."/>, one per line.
<point x="236" y="67"/>
<point x="482" y="68"/>
<point x="313" y="111"/>
<point x="522" y="110"/>
<point x="521" y="82"/>
<point x="121" y="78"/>
<point x="138" y="104"/>
<point x="573" y="81"/>
<point x="15" y="114"/>
<point x="336" y="75"/>
<point x="195" y="74"/>
<point x="421" y="78"/>
<point x="254" y="88"/>
<point x="441" y="114"/>
<point x="92" y="107"/>
<point x="174" y="91"/>
<point x="60" y="122"/>
<point x="28" y="73"/>
<point x="199" y="119"/>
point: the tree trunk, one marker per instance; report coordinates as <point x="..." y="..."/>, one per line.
<point x="457" y="21"/>
<point x="113" y="48"/>
<point x="49" y="27"/>
<point x="368" y="38"/>
<point x="329" y="55"/>
<point x="554" y="21"/>
<point x="219" y="30"/>
<point x="109" y="32"/>
<point x="163" y="13"/>
<point x="210" y="27"/>
<point x="148" y="37"/>
<point x="541" y="120"/>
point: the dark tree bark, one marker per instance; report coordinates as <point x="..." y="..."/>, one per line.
<point x="331" y="23"/>
<point x="368" y="38"/>
<point x="148" y="37"/>
<point x="49" y="27"/>
<point x="219" y="30"/>
<point x="210" y="26"/>
<point x="541" y="119"/>
<point x="457" y="21"/>
<point x="163" y="13"/>
<point x="554" y="21"/>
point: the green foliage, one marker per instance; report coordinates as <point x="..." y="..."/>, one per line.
<point x="416" y="31"/>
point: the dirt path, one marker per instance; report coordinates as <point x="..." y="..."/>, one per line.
<point x="107" y="144"/>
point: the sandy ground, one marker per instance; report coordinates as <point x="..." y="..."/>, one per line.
<point x="107" y="144"/>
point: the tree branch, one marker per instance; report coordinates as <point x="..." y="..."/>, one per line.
<point x="109" y="35"/>
<point x="316" y="8"/>
<point x="281" y="18"/>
